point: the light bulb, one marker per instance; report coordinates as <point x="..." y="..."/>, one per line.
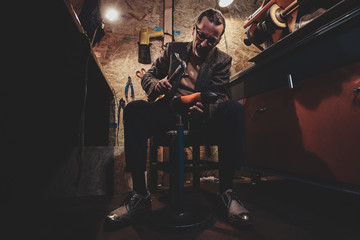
<point x="225" y="3"/>
<point x="111" y="14"/>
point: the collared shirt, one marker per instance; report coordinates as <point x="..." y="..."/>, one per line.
<point x="187" y="84"/>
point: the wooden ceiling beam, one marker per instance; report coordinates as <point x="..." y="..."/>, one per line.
<point x="168" y="20"/>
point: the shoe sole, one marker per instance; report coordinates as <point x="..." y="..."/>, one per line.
<point x="240" y="224"/>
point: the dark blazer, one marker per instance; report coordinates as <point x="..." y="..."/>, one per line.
<point x="213" y="76"/>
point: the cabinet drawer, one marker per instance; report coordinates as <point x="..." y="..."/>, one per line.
<point x="273" y="137"/>
<point x="328" y="111"/>
<point x="309" y="132"/>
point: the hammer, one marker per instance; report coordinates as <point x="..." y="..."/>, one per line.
<point x="183" y="65"/>
<point x="171" y="79"/>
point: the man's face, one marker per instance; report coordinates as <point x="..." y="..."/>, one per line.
<point x="206" y="36"/>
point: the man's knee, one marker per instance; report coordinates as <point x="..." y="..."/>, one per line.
<point x="231" y="109"/>
<point x="134" y="109"/>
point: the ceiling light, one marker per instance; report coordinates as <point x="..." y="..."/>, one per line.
<point x="225" y="3"/>
<point x="111" y="14"/>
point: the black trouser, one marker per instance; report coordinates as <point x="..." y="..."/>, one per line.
<point x="226" y="127"/>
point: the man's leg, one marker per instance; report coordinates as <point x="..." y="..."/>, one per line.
<point x="229" y="132"/>
<point x="141" y="120"/>
<point x="229" y="127"/>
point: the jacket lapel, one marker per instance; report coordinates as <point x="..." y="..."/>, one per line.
<point x="205" y="72"/>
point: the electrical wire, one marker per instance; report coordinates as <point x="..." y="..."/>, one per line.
<point x="81" y="139"/>
<point x="80" y="159"/>
<point x="114" y="107"/>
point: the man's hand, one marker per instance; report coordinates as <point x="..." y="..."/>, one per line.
<point x="163" y="86"/>
<point x="196" y="111"/>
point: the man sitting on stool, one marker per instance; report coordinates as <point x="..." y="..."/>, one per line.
<point x="207" y="70"/>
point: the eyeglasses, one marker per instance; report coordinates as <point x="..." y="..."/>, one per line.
<point x="202" y="36"/>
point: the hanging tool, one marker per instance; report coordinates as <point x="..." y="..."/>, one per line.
<point x="144" y="43"/>
<point x="140" y="73"/>
<point x="129" y="83"/>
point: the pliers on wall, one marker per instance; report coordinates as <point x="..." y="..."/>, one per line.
<point x="129" y="83"/>
<point x="140" y="73"/>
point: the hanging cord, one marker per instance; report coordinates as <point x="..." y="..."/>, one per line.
<point x="121" y="106"/>
<point x="114" y="107"/>
<point x="80" y="158"/>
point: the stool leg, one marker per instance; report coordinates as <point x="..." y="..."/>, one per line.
<point x="152" y="169"/>
<point x="172" y="172"/>
<point x="196" y="166"/>
<point x="180" y="167"/>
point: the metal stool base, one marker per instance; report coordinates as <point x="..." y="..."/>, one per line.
<point x="194" y="218"/>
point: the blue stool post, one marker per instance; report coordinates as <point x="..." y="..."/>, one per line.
<point x="179" y="216"/>
<point x="180" y="167"/>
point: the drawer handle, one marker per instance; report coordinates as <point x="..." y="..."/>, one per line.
<point x="263" y="109"/>
<point x="290" y="81"/>
<point x="356" y="90"/>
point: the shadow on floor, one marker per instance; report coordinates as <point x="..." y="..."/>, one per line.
<point x="281" y="209"/>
